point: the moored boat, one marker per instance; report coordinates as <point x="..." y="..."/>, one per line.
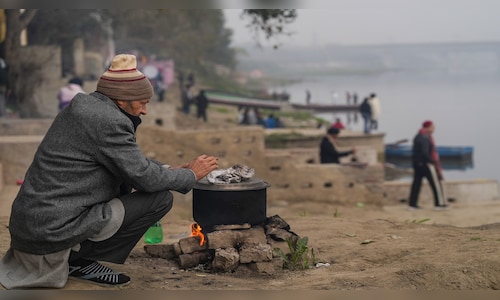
<point x="443" y="151"/>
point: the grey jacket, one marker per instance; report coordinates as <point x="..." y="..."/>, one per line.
<point x="87" y="154"/>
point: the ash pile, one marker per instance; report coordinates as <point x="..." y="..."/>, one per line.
<point x="231" y="248"/>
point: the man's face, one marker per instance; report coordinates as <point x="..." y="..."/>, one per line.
<point x="430" y="129"/>
<point x="135" y="108"/>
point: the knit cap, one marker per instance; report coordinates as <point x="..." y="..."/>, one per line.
<point x="427" y="124"/>
<point x="122" y="81"/>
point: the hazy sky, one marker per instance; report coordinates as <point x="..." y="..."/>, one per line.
<point x="386" y="21"/>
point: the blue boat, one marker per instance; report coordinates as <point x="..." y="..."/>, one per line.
<point x="443" y="151"/>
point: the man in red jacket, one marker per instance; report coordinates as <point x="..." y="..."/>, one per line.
<point x="425" y="161"/>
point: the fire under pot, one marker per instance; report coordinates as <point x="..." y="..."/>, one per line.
<point x="229" y="204"/>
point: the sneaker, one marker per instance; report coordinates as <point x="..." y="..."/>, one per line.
<point x="441" y="207"/>
<point x="412" y="208"/>
<point x="95" y="272"/>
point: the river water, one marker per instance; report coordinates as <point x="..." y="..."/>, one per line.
<point x="464" y="105"/>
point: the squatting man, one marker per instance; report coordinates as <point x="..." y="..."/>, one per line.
<point x="90" y="194"/>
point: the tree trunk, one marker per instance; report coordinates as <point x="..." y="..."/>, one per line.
<point x="16" y="21"/>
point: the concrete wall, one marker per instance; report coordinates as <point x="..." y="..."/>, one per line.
<point x="311" y="138"/>
<point x="17" y="127"/>
<point x="293" y="174"/>
<point x="232" y="146"/>
<point x="290" y="177"/>
<point x="19" y="139"/>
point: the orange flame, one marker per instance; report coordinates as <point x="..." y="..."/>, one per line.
<point x="196" y="231"/>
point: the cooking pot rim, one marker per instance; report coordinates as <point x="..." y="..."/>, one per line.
<point x="251" y="184"/>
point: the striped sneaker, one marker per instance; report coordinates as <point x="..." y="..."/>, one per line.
<point x="95" y="272"/>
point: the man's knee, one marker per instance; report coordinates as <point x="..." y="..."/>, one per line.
<point x="165" y="201"/>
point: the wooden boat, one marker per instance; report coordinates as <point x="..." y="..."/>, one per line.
<point x="220" y="97"/>
<point x="397" y="150"/>
<point x="327" y="107"/>
<point x="242" y="101"/>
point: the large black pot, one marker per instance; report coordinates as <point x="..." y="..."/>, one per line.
<point x="229" y="204"/>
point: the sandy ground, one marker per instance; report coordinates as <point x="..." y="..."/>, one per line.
<point x="455" y="249"/>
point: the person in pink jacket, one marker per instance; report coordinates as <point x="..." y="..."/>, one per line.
<point x="67" y="92"/>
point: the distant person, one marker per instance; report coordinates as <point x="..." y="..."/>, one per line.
<point x="426" y="163"/>
<point x="201" y="105"/>
<point x="366" y="113"/>
<point x="308" y="97"/>
<point x="180" y="79"/>
<point x="328" y="152"/>
<point x="375" y="111"/>
<point x="252" y="117"/>
<point x="279" y="123"/>
<point x="67" y="92"/>
<point x="355" y="99"/>
<point x="160" y="87"/>
<point x="4" y="91"/>
<point x="186" y="99"/>
<point x="338" y="124"/>
<point x="259" y="120"/>
<point x="242" y="115"/>
<point x="270" y="122"/>
<point x="335" y="97"/>
<point x="190" y="80"/>
<point x="348" y="97"/>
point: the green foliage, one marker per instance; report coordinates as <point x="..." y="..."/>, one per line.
<point x="195" y="39"/>
<point x="222" y="110"/>
<point x="272" y="22"/>
<point x="419" y="221"/>
<point x="336" y="213"/>
<point x="299" y="256"/>
<point x="277" y="137"/>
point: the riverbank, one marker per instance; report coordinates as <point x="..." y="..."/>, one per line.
<point x="362" y="247"/>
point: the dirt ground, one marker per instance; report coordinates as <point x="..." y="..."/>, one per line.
<point x="455" y="249"/>
<point x="366" y="248"/>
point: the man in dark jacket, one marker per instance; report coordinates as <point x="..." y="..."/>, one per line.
<point x="366" y="113"/>
<point x="90" y="194"/>
<point x="425" y="161"/>
<point x="201" y="105"/>
<point x="328" y="152"/>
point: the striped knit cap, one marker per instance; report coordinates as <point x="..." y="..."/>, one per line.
<point x="122" y="81"/>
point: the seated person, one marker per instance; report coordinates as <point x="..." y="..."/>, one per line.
<point x="328" y="148"/>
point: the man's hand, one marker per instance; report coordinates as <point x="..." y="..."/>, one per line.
<point x="202" y="165"/>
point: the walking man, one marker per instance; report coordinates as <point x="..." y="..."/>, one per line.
<point x="425" y="160"/>
<point x="375" y="110"/>
<point x="366" y="113"/>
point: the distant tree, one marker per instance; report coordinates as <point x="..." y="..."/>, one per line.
<point x="192" y="37"/>
<point x="272" y="22"/>
<point x="196" y="39"/>
<point x="63" y="26"/>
